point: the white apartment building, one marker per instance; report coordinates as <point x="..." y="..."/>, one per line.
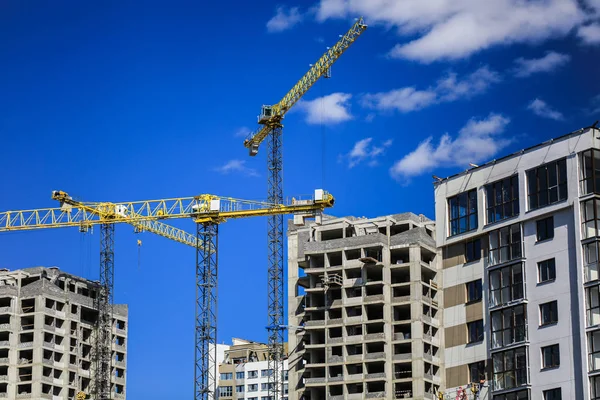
<point x="244" y="372"/>
<point x="520" y="241"/>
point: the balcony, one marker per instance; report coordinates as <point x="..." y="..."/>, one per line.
<point x="373" y="298"/>
<point x="377" y="375"/>
<point x="402" y="336"/>
<point x="375" y="356"/>
<point x="400" y="299"/>
<point x="402" y="357"/>
<point x="314" y="381"/>
<point x="375" y="395"/>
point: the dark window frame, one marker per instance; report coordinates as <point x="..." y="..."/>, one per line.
<point x="473" y="250"/>
<point x="591" y="303"/>
<point x="509" y="242"/>
<point x="589" y="174"/>
<point x="463" y="201"/>
<point x="595" y="384"/>
<point x="478" y="369"/>
<point x="542" y="226"/>
<point x="552" y="394"/>
<point x="517" y="375"/>
<point x="476" y="288"/>
<point x="593" y="351"/>
<point x="502" y="199"/>
<point x="550" y="356"/>
<point x="547" y="184"/>
<point x="590" y="221"/>
<point x="547" y="270"/>
<point x="518" y="395"/>
<point x="477" y="334"/>
<point x="514" y="288"/>
<point x="552" y="308"/>
<point x="513" y="332"/>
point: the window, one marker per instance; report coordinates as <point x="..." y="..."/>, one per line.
<point x="226" y="376"/>
<point x="475" y="330"/>
<point x="265" y="386"/>
<point x="595" y="388"/>
<point x="239" y="375"/>
<point x="266" y="398"/>
<point x="550" y="356"/>
<point x="506" y="284"/>
<point x="463" y="212"/>
<point x="502" y="199"/>
<point x="593" y="339"/>
<point x="546" y="270"/>
<point x="519" y="395"/>
<point x="547" y="184"/>
<point x="473" y="250"/>
<point x="226" y="391"/>
<point x="590" y="216"/>
<point x="474" y="291"/>
<point x="252" y="374"/>
<point x="590" y="254"/>
<point x="285" y="374"/>
<point x="266" y="372"/>
<point x="592" y="305"/>
<point x="589" y="179"/>
<point x="505" y="244"/>
<point x="253" y="387"/>
<point x="477" y="371"/>
<point x="509" y="326"/>
<point x="553" y="394"/>
<point x="239" y="389"/>
<point x="510" y="368"/>
<point x="549" y="313"/>
<point x="545" y="228"/>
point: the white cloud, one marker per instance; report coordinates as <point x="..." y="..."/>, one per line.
<point x="455" y="29"/>
<point x="364" y="150"/>
<point x="448" y="88"/>
<point x="551" y="61"/>
<point x="242" y="132"/>
<point x="236" y="167"/>
<point x="542" y="109"/>
<point x="590" y="34"/>
<point x="330" y="109"/>
<point x="477" y="141"/>
<point x="284" y="19"/>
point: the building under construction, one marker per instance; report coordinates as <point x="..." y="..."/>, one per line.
<point x="47" y="325"/>
<point x="364" y="309"/>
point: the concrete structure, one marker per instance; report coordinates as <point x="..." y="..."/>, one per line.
<point x="519" y="239"/>
<point x="47" y="322"/>
<point x="244" y="373"/>
<point x="366" y="291"/>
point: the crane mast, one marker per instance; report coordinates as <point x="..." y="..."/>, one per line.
<point x="207" y="211"/>
<point x="271" y="129"/>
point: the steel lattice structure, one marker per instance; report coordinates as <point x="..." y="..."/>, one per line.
<point x="271" y="127"/>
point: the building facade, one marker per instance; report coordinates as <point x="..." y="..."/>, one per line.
<point x="519" y="239"/>
<point x="244" y="373"/>
<point x="364" y="309"/>
<point x="47" y="320"/>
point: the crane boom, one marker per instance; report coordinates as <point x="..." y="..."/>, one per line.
<point x="275" y="113"/>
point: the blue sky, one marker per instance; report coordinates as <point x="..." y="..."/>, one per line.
<point x="122" y="101"/>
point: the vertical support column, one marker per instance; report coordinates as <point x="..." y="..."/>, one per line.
<point x="205" y="359"/>
<point x="275" y="272"/>
<point x="104" y="304"/>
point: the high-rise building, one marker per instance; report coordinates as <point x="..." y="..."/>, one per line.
<point x="520" y="241"/>
<point x="244" y="373"/>
<point x="364" y="309"/>
<point x="47" y="320"/>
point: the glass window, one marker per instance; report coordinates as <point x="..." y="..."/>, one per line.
<point x="550" y="356"/>
<point x="239" y="375"/>
<point x="589" y="177"/>
<point x="510" y="368"/>
<point x="594" y="352"/>
<point x="549" y="313"/>
<point x="474" y="291"/>
<point x="225" y="376"/>
<point x="502" y="199"/>
<point x="547" y="184"/>
<point x="592" y="305"/>
<point x="590" y="216"/>
<point x="553" y="394"/>
<point x="285" y="374"/>
<point x="545" y="228"/>
<point x="239" y="389"/>
<point x="519" y="395"/>
<point x="475" y="331"/>
<point x="590" y="256"/>
<point x="463" y="212"/>
<point x="509" y="326"/>
<point x="595" y="388"/>
<point x="505" y="244"/>
<point x="226" y="391"/>
<point x="473" y="250"/>
<point x="477" y="371"/>
<point x="546" y="270"/>
<point x="252" y="374"/>
<point x="506" y="284"/>
<point x="266" y="372"/>
<point x="253" y="387"/>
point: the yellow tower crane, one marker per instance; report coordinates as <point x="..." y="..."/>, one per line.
<point x="207" y="211"/>
<point x="270" y="119"/>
